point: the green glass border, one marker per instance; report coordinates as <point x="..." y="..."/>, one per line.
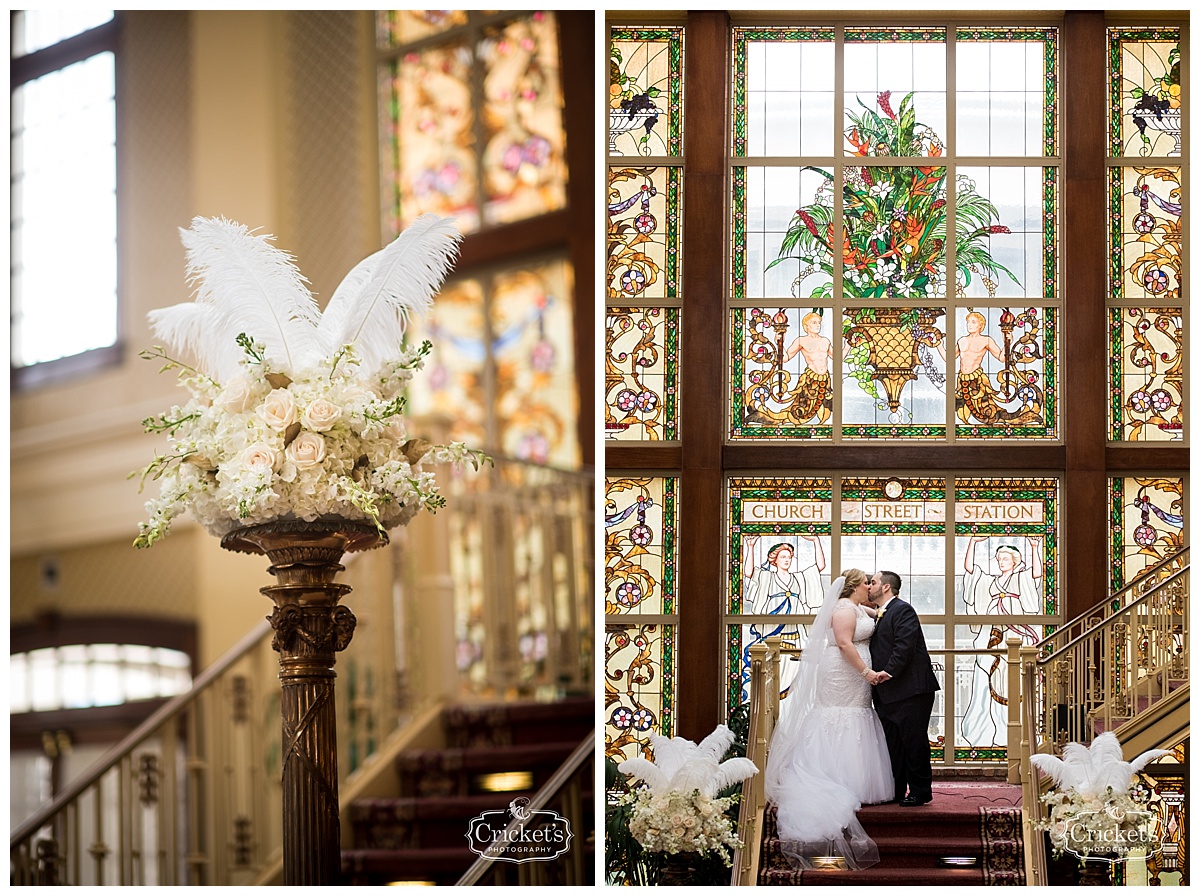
<point x="1116" y="544"/>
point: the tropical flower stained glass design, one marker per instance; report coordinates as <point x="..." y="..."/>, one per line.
<point x="644" y="220"/>
<point x="1146" y="515"/>
<point x="905" y="62"/>
<point x="1146" y="374"/>
<point x="1145" y="92"/>
<point x="1006" y="561"/>
<point x="645" y="99"/>
<point x="640" y="519"/>
<point x="641" y="373"/>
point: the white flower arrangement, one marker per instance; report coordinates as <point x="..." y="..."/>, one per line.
<point x="304" y="418"/>
<point x="678" y="810"/>
<point x="1096" y="811"/>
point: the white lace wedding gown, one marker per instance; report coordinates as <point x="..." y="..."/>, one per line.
<point x="823" y="766"/>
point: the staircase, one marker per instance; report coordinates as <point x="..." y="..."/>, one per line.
<point x="492" y="755"/>
<point x="939" y="844"/>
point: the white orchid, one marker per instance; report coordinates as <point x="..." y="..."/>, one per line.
<point x="681" y="765"/>
<point x="1090" y="771"/>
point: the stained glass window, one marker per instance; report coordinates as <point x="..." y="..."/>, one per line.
<point x="888" y="206"/>
<point x="472" y="117"/>
<point x="1163" y="788"/>
<point x="1146" y="387"/>
<point x="499" y="371"/>
<point x="645" y="92"/>
<point x="790" y="537"/>
<point x="641" y="373"/>
<point x="640" y="520"/>
<point x="1145" y="92"/>
<point x="1146" y="516"/>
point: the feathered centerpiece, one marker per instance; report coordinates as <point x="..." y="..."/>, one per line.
<point x="1095" y="810"/>
<point x="678" y="810"/>
<point x="294" y="413"/>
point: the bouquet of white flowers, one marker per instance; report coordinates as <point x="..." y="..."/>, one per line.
<point x="294" y="414"/>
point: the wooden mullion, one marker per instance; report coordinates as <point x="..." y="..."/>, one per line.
<point x="1142" y="459"/>
<point x="632" y="456"/>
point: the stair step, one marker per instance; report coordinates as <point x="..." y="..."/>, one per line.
<point x="877" y="876"/>
<point x="456" y="771"/>
<point x="519" y="723"/>
<point x="373" y="867"/>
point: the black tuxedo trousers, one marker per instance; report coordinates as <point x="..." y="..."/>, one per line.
<point x="905" y="702"/>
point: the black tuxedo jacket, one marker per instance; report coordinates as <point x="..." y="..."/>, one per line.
<point x="898" y="648"/>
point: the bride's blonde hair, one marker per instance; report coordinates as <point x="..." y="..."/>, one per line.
<point x="854" y="578"/>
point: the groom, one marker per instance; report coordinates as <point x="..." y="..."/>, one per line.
<point x="904" y="689"/>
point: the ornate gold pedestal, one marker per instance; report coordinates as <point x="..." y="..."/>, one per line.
<point x="309" y="628"/>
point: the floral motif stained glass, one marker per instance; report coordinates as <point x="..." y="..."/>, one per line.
<point x="396" y="27"/>
<point x="641" y="374"/>
<point x="644" y="223"/>
<point x="1006" y="372"/>
<point x="524" y="171"/>
<point x="1146" y="387"/>
<point x="1146" y="516"/>
<point x="1145" y="92"/>
<point x="1146" y="253"/>
<point x="639" y="687"/>
<point x="645" y="92"/>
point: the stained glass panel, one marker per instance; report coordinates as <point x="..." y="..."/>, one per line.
<point x="1001" y="216"/>
<point x="645" y="115"/>
<point x="895" y="82"/>
<point x="1005" y="92"/>
<point x="1163" y="788"/>
<point x="782" y="220"/>
<point x="1146" y="516"/>
<point x="641" y="374"/>
<point x="430" y="137"/>
<point x="640" y="516"/>
<point x="639" y="687"/>
<point x="1006" y="363"/>
<point x="452" y="383"/>
<point x="532" y="349"/>
<point x="783" y="92"/>
<point x="644" y="221"/>
<point x="396" y="27"/>
<point x="1146" y="206"/>
<point x="896" y="358"/>
<point x="524" y="172"/>
<point x="1146" y="374"/>
<point x="781" y="382"/>
<point x="1145" y="92"/>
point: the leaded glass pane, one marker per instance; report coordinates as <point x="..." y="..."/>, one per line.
<point x="645" y="114"/>
<point x="895" y="82"/>
<point x="524" y="172"/>
<point x="1145" y="92"/>
<point x="639" y="687"/>
<point x="451" y="385"/>
<point x="400" y="26"/>
<point x="1005" y="89"/>
<point x="1163" y="787"/>
<point x="644" y="221"/>
<point x="1006" y="362"/>
<point x="783" y="92"/>
<point x="641" y="374"/>
<point x="782" y="224"/>
<point x="639" y="545"/>
<point x="896" y="358"/>
<point x="781" y="373"/>
<point x="532" y="353"/>
<point x="430" y="136"/>
<point x="1146" y="374"/>
<point x="1146" y="206"/>
<point x="1000" y="225"/>
<point x="917" y="556"/>
<point x="1146" y="516"/>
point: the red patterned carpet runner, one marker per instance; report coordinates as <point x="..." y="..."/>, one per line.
<point x="1002" y="847"/>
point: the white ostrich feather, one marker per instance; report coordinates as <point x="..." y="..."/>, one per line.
<point x="255" y="288"/>
<point x="681" y="764"/>
<point x="1090" y="771"/>
<point x="371" y="307"/>
<point x="197" y="330"/>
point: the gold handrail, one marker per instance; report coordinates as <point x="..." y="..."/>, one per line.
<point x="764" y="713"/>
<point x="566" y="782"/>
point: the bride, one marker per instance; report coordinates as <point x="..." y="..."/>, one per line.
<point x="828" y="755"/>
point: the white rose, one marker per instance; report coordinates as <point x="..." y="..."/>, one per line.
<point x="307" y="450"/>
<point x="260" y="458"/>
<point x="235" y="397"/>
<point x="279" y="410"/>
<point x="320" y="415"/>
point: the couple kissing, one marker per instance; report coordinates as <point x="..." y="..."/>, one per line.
<point x="854" y="728"/>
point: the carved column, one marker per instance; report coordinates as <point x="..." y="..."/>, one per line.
<point x="310" y="627"/>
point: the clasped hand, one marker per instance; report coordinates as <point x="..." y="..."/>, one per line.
<point x="874" y="678"/>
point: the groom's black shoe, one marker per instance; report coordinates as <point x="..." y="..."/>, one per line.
<point x="914" y="801"/>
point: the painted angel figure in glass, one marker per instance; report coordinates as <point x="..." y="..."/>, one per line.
<point x="1013" y="589"/>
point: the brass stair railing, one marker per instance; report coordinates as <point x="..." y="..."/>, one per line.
<point x="764" y="713"/>
<point x="562" y="794"/>
<point x="1125" y="669"/>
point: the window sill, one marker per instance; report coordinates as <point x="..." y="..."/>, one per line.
<point x="60" y="370"/>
